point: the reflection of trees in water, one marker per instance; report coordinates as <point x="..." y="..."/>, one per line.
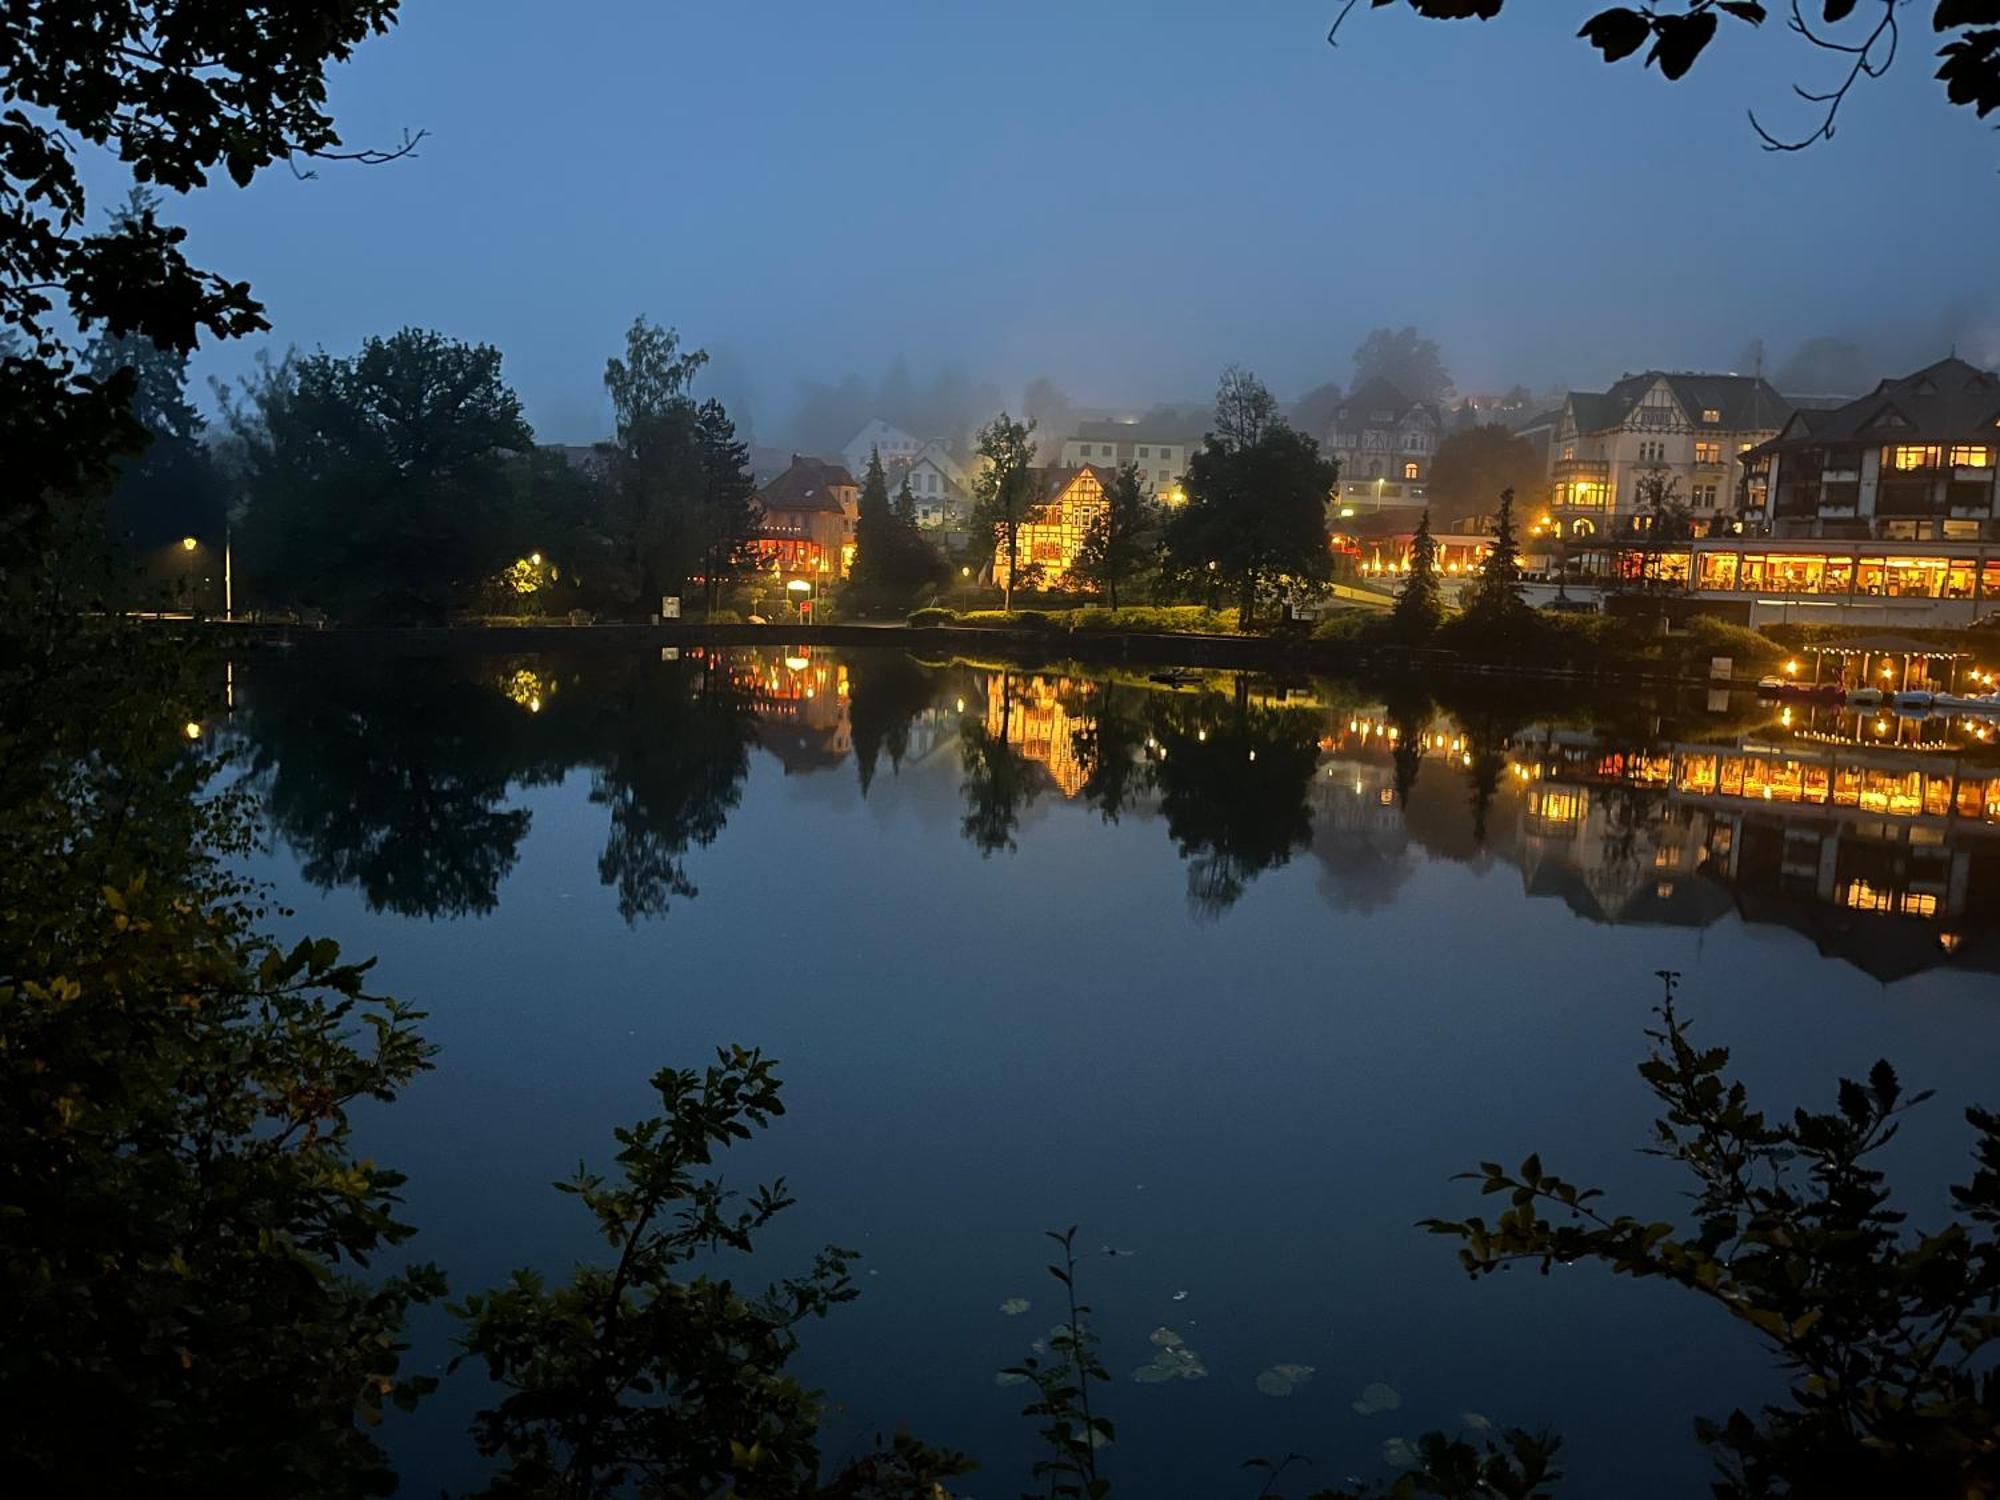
<point x="1110" y="733"/>
<point x="670" y="761"/>
<point x="1232" y="780"/>
<point x="886" y="692"/>
<point x="999" y="781"/>
<point x="390" y="776"/>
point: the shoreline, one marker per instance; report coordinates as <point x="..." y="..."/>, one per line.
<point x="1033" y="646"/>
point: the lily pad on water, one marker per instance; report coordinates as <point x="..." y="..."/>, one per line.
<point x="1013" y="1307"/>
<point x="1010" y="1377"/>
<point x="1280" y="1380"/>
<point x="1173" y="1361"/>
<point x="1398" y="1454"/>
<point x="1376" y="1396"/>
<point x="1166" y="1338"/>
<point x="1475" y="1421"/>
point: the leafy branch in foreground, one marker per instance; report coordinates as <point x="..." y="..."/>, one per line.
<point x="181" y="1207"/>
<point x="637" y="1378"/>
<point x="1887" y="1335"/>
<point x="1062" y="1393"/>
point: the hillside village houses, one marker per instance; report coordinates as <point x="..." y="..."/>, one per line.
<point x="1692" y="429"/>
<point x="806" y="524"/>
<point x="939" y="484"/>
<point x="1161" y="453"/>
<point x="1384" y="442"/>
<point x="1049" y="539"/>
<point x="895" y="445"/>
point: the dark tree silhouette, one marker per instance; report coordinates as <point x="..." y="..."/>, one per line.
<point x="1232" y="779"/>
<point x="1968" y="58"/>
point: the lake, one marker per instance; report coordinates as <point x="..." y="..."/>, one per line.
<point x="1234" y="976"/>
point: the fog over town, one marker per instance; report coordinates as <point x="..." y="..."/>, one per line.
<point x="909" y="191"/>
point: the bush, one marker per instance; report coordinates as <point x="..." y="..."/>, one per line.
<point x="1034" y="619"/>
<point x="933" y="615"/>
<point x="724" y="617"/>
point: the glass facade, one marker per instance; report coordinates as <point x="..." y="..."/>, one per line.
<point x="1854" y="572"/>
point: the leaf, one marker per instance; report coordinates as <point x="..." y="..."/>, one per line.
<point x="1617" y="33"/>
<point x="1678" y="41"/>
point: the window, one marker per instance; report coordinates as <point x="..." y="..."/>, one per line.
<point x="1409" y="471"/>
<point x="1710" y="415"/>
<point x="1144" y="451"/>
<point x="1913" y="456"/>
<point x="1704" y="497"/>
<point x="1708" y="453"/>
<point x="1963" y="457"/>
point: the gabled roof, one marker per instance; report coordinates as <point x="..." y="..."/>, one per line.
<point x="1378" y="395"/>
<point x="1950" y="401"/>
<point x="808" y="485"/>
<point x="1053" y="480"/>
<point x="1742" y="403"/>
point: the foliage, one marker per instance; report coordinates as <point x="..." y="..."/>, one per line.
<point x="1473" y="466"/>
<point x="1969" y="58"/>
<point x="172" y="91"/>
<point x="646" y="1375"/>
<point x="1405" y="359"/>
<point x="931" y="615"/>
<point x="892" y="560"/>
<point x="1493" y="607"/>
<point x="680" y="496"/>
<point x="183" y="1204"/>
<point x="1419" y="608"/>
<point x="378" y="485"/>
<point x="1062" y="1392"/>
<point x="1256" y="511"/>
<point x="1516" y="1465"/>
<point x="1003" y="489"/>
<point x="1886" y="1334"/>
<point x="1120" y="539"/>
<point x="171" y="489"/>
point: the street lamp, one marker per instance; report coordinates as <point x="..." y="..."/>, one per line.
<point x="804" y="586"/>
<point x="188" y="544"/>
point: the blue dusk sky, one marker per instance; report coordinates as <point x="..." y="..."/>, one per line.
<point x="1122" y="196"/>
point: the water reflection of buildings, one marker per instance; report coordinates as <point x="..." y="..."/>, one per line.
<point x="799" y="700"/>
<point x="1035" y="718"/>
<point x="1889" y="858"/>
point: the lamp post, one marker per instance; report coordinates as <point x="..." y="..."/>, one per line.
<point x="807" y="587"/>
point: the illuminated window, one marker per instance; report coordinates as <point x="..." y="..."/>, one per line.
<point x="1710" y="414"/>
<point x="1914" y="456"/>
<point x="1704" y="497"/>
<point x="1409" y="471"/>
<point x="1963" y="457"/>
<point x="1708" y="453"/>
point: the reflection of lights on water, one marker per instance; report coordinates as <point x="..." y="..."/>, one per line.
<point x="961" y="709"/>
<point x="797" y="663"/>
<point x="525" y="689"/>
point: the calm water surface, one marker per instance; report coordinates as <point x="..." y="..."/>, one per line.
<point x="1233" y="978"/>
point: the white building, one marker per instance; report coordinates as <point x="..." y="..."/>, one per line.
<point x="1689" y="428"/>
<point x="1161" y="455"/>
<point x="895" y="445"/>
<point x="939" y="484"/>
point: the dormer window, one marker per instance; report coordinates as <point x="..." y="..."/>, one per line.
<point x="1710" y="415"/>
